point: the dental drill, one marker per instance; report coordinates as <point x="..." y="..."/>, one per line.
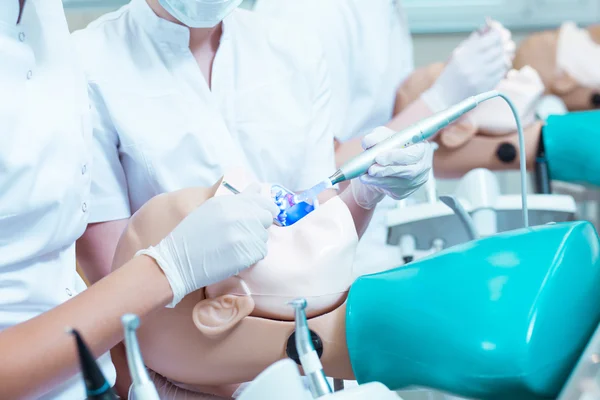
<point x="142" y="387"/>
<point x="96" y="385"/>
<point x="309" y="359"/>
<point x="419" y="132"/>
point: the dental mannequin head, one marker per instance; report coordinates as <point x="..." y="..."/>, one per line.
<point x="302" y="261"/>
<point x="476" y="337"/>
<point x="205" y="339"/>
<point x="566" y="60"/>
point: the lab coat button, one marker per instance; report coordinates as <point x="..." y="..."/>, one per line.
<point x="22" y="36"/>
<point x="69" y="293"/>
<point x="29" y="74"/>
<point x="83" y="169"/>
<point x="84" y="207"/>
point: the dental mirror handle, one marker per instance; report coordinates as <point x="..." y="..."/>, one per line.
<point x="414" y="134"/>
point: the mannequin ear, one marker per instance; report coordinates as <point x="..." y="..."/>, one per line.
<point x="216" y="316"/>
<point x="457" y="134"/>
<point x="564" y="84"/>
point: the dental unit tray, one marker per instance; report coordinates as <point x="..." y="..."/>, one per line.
<point x="290" y="212"/>
<point x="427" y="222"/>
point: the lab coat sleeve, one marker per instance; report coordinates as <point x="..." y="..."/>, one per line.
<point x="320" y="154"/>
<point x="110" y="197"/>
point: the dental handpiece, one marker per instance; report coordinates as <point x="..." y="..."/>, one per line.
<point x="414" y="134"/>
<point x="309" y="359"/>
<point x="142" y="387"/>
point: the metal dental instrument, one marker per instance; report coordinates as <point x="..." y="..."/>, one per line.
<point x="233" y="190"/>
<point x="311" y="364"/>
<point x="420" y="132"/>
<point x="142" y="387"/>
<point x="96" y="385"/>
<point x="230" y="188"/>
<point x="414" y="134"/>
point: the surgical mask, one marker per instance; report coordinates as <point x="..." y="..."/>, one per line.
<point x="200" y="13"/>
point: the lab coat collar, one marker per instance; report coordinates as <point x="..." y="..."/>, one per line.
<point x="166" y="31"/>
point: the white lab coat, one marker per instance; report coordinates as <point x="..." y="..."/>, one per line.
<point x="370" y="53"/>
<point x="158" y="127"/>
<point x="45" y="138"/>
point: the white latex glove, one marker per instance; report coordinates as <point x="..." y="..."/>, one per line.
<point x="397" y="173"/>
<point x="578" y="55"/>
<point x="525" y="88"/>
<point x="222" y="237"/>
<point x="477" y="65"/>
<point x="494" y="117"/>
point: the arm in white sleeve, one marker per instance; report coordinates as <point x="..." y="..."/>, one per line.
<point x="109" y="209"/>
<point x="110" y="196"/>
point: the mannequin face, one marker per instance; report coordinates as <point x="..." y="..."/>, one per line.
<point x="303" y="261"/>
<point x="229" y="332"/>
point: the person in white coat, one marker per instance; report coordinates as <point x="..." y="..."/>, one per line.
<point x="182" y="90"/>
<point x="45" y="176"/>
<point x="369" y="49"/>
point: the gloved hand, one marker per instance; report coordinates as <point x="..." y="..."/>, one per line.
<point x="477" y="65"/>
<point x="494" y="117"/>
<point x="397" y="173"/>
<point x="577" y="54"/>
<point x="222" y="237"/>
